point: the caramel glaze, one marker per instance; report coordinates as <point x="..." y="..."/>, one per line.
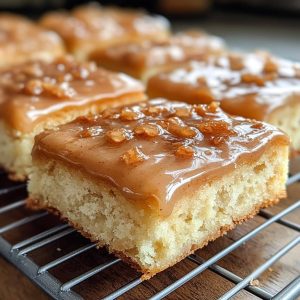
<point x="35" y="91"/>
<point x="252" y="85"/>
<point x="97" y="24"/>
<point x="179" y="48"/>
<point x="21" y="39"/>
<point x="158" y="151"/>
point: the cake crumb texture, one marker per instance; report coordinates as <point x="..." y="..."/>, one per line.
<point x="150" y="242"/>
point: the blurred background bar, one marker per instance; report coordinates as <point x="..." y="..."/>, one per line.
<point x="245" y="24"/>
<point x="170" y="7"/>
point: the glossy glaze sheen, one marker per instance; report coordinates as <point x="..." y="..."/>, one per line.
<point x="251" y="85"/>
<point x="33" y="91"/>
<point x="180" y="47"/>
<point x="157" y="152"/>
<point x="95" y="23"/>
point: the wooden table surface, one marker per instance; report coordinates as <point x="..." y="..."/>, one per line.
<point x="15" y="286"/>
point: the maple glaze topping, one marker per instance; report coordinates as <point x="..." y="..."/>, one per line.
<point x="95" y="23"/>
<point x="157" y="152"/>
<point x="180" y="47"/>
<point x="21" y="39"/>
<point x="251" y="85"/>
<point x="35" y="90"/>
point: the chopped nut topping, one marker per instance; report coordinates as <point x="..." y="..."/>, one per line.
<point x="200" y="109"/>
<point x="34" y="80"/>
<point x="236" y="62"/>
<point x="118" y="135"/>
<point x="80" y="73"/>
<point x="213" y="106"/>
<point x="216" y="128"/>
<point x="186" y="132"/>
<point x="91" y="131"/>
<point x="217" y="140"/>
<point x="61" y="91"/>
<point x="205" y="128"/>
<point x="257" y="125"/>
<point x="109" y="113"/>
<point x="84" y="119"/>
<point x="182" y="112"/>
<point x="34" y="87"/>
<point x="252" y="78"/>
<point x="37" y="87"/>
<point x="134" y="156"/>
<point x="150" y="130"/>
<point x="176" y="121"/>
<point x="178" y="128"/>
<point x="270" y="66"/>
<point x="164" y="124"/>
<point x="152" y="110"/>
<point x="130" y="115"/>
<point x="185" y="151"/>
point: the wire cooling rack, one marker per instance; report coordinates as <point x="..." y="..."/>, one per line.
<point x="24" y="233"/>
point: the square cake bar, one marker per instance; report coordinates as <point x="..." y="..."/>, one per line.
<point x="154" y="182"/>
<point x="22" y="40"/>
<point x="256" y="86"/>
<point x="40" y="95"/>
<point x="90" y="27"/>
<point x="141" y="60"/>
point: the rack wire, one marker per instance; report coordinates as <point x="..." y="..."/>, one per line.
<point x="18" y="253"/>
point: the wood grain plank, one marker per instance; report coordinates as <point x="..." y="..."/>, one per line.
<point x="15" y="286"/>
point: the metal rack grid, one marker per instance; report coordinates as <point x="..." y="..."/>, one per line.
<point x="17" y="254"/>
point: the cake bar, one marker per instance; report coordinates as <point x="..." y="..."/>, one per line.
<point x="256" y="86"/>
<point x="40" y="95"/>
<point x="22" y="40"/>
<point x="154" y="182"/>
<point x="91" y="27"/>
<point x="141" y="60"/>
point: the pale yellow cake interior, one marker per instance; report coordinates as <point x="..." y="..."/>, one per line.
<point x="287" y="118"/>
<point x="142" y="236"/>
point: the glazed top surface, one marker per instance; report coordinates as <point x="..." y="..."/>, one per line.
<point x="249" y="85"/>
<point x="95" y="23"/>
<point x="20" y="36"/>
<point x="157" y="152"/>
<point x="180" y="47"/>
<point x="32" y="91"/>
